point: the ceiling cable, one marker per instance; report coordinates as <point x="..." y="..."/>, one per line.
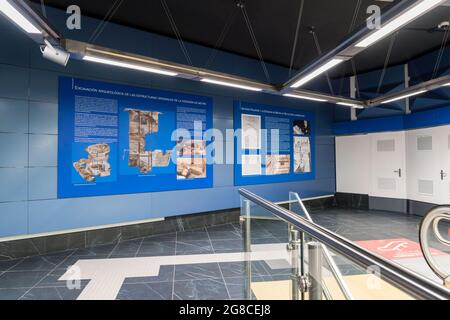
<point x="441" y="53"/>
<point x="355" y="17"/>
<point x="222" y="37"/>
<point x="386" y="61"/>
<point x="44" y="11"/>
<point x="350" y="30"/>
<point x="176" y="32"/>
<point x="102" y="25"/>
<point x="297" y="31"/>
<point x="255" y="41"/>
<point x="319" y="51"/>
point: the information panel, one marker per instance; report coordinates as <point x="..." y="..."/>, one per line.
<point x="116" y="139"/>
<point x="273" y="144"/>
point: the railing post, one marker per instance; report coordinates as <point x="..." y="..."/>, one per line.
<point x="247" y="245"/>
<point x="315" y="270"/>
<point x="294" y="247"/>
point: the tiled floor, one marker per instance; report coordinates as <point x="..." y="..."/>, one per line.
<point x="37" y="277"/>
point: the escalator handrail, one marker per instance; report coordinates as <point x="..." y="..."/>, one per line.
<point x="432" y="218"/>
<point x="414" y="284"/>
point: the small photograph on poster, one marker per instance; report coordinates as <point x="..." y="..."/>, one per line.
<point x="141" y="124"/>
<point x="251" y="132"/>
<point x="302" y="155"/>
<point x="278" y="164"/>
<point x="97" y="163"/>
<point x="302" y="127"/>
<point x="251" y="165"/>
<point x="191" y="168"/>
<point x="191" y="148"/>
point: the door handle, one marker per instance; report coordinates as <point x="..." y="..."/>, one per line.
<point x="443" y="175"/>
<point x="399" y="172"/>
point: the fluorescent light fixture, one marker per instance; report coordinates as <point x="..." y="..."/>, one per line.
<point x="230" y="84"/>
<point x="404" y="96"/>
<point x="16" y="17"/>
<point x="127" y="65"/>
<point x="327" y="66"/>
<point x="353" y="105"/>
<point x="408" y="16"/>
<point x="303" y="97"/>
<point x="446" y="85"/>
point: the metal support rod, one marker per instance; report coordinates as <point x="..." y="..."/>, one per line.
<point x="315" y="270"/>
<point x="353" y="115"/>
<point x="247" y="245"/>
<point x="407" y="100"/>
<point x="294" y="236"/>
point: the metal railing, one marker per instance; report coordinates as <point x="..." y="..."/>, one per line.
<point x="326" y="254"/>
<point x="432" y="219"/>
<point x="411" y="283"/>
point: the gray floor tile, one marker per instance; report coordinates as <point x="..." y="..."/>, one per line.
<point x="150" y="248"/>
<point x="212" y="289"/>
<point x="197" y="272"/>
<point x="193" y="247"/>
<point x="21" y="279"/>
<point x="146" y="291"/>
<point x="12" y="294"/>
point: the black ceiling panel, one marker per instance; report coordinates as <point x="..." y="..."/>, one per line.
<point x="274" y="23"/>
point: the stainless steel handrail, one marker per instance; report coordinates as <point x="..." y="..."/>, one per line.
<point x="327" y="255"/>
<point x="413" y="284"/>
<point x="433" y="218"/>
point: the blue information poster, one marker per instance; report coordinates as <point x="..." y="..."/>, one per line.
<point x="273" y="144"/>
<point x="116" y="139"/>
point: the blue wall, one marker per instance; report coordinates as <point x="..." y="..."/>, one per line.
<point x="29" y="133"/>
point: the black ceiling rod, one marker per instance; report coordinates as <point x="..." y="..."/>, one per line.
<point x="441" y="53"/>
<point x="241" y="5"/>
<point x="102" y="25"/>
<point x="222" y="37"/>
<point x="386" y="61"/>
<point x="177" y="32"/>
<point x="44" y="12"/>
<point x="312" y="30"/>
<point x="297" y="31"/>
<point x="350" y="30"/>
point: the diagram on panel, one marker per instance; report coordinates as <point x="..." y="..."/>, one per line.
<point x="96" y="165"/>
<point x="143" y="123"/>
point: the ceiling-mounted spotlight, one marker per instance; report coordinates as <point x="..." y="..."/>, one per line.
<point x="54" y="54"/>
<point x="18" y="18"/>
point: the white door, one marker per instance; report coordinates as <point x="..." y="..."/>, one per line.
<point x="388" y="170"/>
<point x="443" y="172"/>
<point x="423" y="162"/>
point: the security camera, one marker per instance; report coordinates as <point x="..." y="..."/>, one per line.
<point x="443" y="25"/>
<point x="56" y="55"/>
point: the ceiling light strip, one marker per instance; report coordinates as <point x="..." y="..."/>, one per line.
<point x="404" y="96"/>
<point x="127" y="65"/>
<point x="353" y="105"/>
<point x="18" y="18"/>
<point x="398" y="22"/>
<point x="296" y="96"/>
<point x="324" y="68"/>
<point x="230" y="84"/>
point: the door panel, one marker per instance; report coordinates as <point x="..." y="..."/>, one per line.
<point x="423" y="165"/>
<point x="444" y="157"/>
<point x="388" y="170"/>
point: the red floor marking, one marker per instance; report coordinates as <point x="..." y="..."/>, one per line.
<point x="395" y="249"/>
